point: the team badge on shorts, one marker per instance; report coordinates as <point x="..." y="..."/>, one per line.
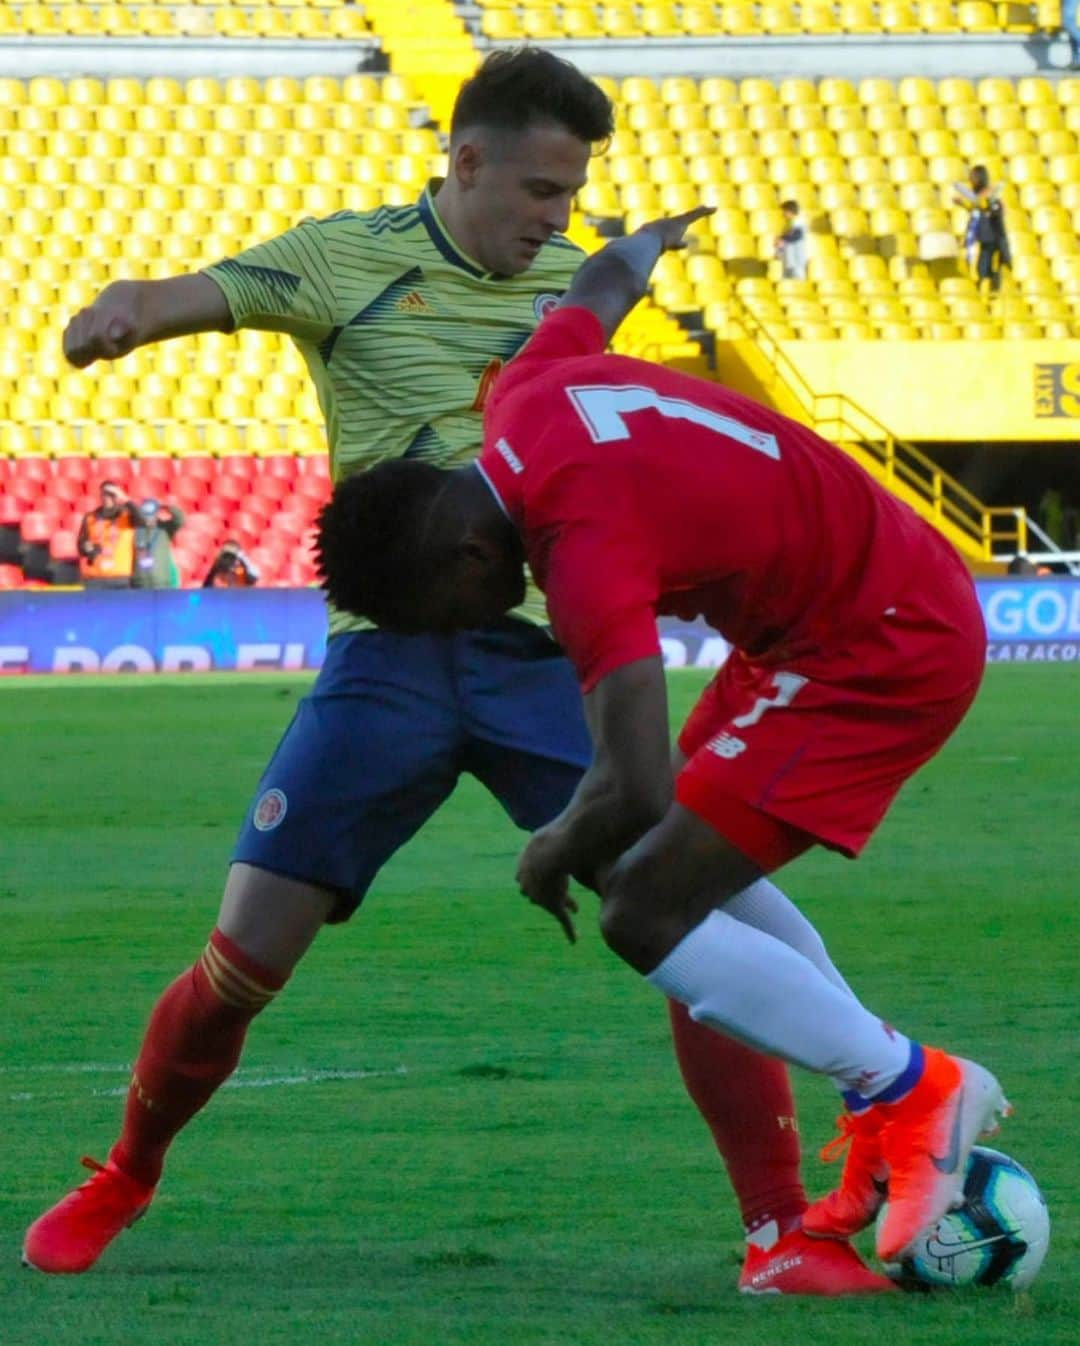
<point x="544" y="304"/>
<point x="271" y="808"/>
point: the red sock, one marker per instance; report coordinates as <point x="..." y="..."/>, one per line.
<point x="745" y="1099"/>
<point x="192" y="1044"/>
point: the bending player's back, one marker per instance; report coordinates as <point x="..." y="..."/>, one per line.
<point x="732" y="510"/>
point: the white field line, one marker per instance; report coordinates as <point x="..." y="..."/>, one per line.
<point x="241" y="1080"/>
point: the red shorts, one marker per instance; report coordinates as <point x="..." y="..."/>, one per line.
<point x="815" y="751"/>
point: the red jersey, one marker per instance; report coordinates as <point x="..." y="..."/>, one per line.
<point x="639" y="490"/>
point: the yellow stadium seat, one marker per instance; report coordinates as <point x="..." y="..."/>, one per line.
<point x="977" y="16"/>
<point x="697" y="141"/>
<point x="687" y="117"/>
<point x="937" y="16"/>
<point x="896" y="141"/>
<point x="994" y="90"/>
<point x="875" y="92"/>
<point x="817" y="144"/>
<point x="716" y="89"/>
<point x="858" y="16"/>
<point x="637" y="89"/>
<point x="837" y="193"/>
<point x="776" y="142"/>
<point x="702" y="20"/>
<point x="808" y="117"/>
<point x="899" y="16"/>
<point x="739" y="18"/>
<point x="916" y="89"/>
<point x="1032" y="91"/>
<point x="797" y="93"/>
<point x="766" y="117"/>
<point x="725" y="117"/>
<point x="1041" y="117"/>
<point x="779" y="18"/>
<point x="757" y="91"/>
<point x="540" y="25"/>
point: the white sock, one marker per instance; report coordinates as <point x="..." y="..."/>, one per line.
<point x="752" y="986"/>
<point x="765" y="907"/>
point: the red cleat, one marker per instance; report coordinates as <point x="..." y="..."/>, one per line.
<point x="863" y="1184"/>
<point x="76" y="1231"/>
<point x="926" y="1140"/>
<point x="799" y="1265"/>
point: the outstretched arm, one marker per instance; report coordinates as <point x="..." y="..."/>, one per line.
<point x="131" y="313"/>
<point x="614" y="279"/>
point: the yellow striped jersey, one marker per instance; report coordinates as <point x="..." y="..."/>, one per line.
<point x="401" y="331"/>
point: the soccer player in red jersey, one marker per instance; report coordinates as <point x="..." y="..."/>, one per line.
<point x="633" y="490"/>
<point x="402" y="315"/>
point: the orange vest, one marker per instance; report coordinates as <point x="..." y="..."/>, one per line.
<point x="116" y="538"/>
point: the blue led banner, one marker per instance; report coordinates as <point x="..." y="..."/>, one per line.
<point x="200" y="630"/>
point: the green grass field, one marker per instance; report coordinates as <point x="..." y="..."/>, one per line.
<point x="455" y="1128"/>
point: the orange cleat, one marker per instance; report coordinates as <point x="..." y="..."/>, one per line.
<point x="926" y="1139"/>
<point x="72" y="1235"/>
<point x="799" y="1265"/>
<point x="862" y="1190"/>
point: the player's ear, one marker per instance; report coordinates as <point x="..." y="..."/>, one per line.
<point x="480" y="555"/>
<point x="465" y="162"/>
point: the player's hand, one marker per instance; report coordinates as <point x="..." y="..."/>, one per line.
<point x="672" y="229"/>
<point x="106" y="330"/>
<point x="543" y="879"/>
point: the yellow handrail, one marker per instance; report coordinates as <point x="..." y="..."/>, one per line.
<point x="839" y="417"/>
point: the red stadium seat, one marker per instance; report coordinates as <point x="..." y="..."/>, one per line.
<point x="12" y="508"/>
<point x="271" y="487"/>
<point x="67" y="488"/>
<point x="75" y="469"/>
<point x="64" y="546"/>
<point x="195" y="469"/>
<point x="189" y="491"/>
<point x="11" y="577"/>
<point x="280" y="465"/>
<point x="33" y="469"/>
<point x="113" y="468"/>
<point x="231" y="486"/>
<point x="37" y="527"/>
<point x="241" y="465"/>
<point x="313" y="488"/>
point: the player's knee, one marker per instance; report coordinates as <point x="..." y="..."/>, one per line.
<point x="632" y="918"/>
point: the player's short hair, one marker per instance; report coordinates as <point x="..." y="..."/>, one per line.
<point x="793" y="206"/>
<point x="515" y="88"/>
<point x="371" y="549"/>
<point x="980" y="178"/>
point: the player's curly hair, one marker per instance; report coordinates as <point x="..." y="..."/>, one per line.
<point x="370" y="542"/>
<point x="514" y="88"/>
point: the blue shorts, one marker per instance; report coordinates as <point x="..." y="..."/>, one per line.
<point x="390" y="724"/>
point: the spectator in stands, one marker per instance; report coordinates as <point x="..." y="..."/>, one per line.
<point x="1070" y="22"/>
<point x="231" y="569"/>
<point x="986" y="244"/>
<point x="106" y="540"/>
<point x="153" y="564"/>
<point x="791" y="244"/>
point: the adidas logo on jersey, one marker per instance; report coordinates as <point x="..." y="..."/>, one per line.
<point x="413" y="302"/>
<point x="726" y="745"/>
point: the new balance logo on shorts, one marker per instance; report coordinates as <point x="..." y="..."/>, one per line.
<point x="726" y="745"/>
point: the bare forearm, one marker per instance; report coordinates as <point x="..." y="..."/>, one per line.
<point x="615" y="279"/>
<point x="132" y="313"/>
<point x="603" y="820"/>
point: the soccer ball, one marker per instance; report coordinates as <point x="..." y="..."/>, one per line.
<point x="999" y="1236"/>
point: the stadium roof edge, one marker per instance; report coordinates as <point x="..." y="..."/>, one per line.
<point x="938" y="56"/>
<point x="973" y="55"/>
<point x="184" y="58"/>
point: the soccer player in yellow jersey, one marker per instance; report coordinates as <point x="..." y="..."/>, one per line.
<point x="404" y="316"/>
